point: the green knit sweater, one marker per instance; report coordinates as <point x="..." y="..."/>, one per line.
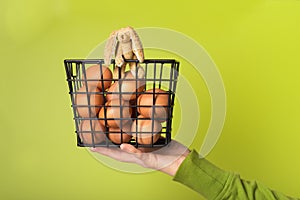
<point x="214" y="183"/>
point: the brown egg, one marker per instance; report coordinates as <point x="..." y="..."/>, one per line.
<point x="94" y="102"/>
<point x="113" y="113"/>
<point x="94" y="72"/>
<point x="146" y="130"/>
<point x="95" y="131"/>
<point x="159" y="107"/>
<point x="128" y="86"/>
<point x="115" y="134"/>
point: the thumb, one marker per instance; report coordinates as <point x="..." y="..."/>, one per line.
<point x="129" y="148"/>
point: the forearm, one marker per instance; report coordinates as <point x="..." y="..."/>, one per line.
<point x="214" y="183"/>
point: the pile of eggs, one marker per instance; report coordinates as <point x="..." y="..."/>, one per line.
<point x="121" y="110"/>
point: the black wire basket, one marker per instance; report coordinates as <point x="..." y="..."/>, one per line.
<point x="111" y="107"/>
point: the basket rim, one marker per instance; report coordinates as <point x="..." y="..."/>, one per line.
<point x="152" y="60"/>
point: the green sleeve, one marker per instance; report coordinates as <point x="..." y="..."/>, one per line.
<point x="214" y="183"/>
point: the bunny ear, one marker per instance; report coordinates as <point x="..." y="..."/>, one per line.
<point x="110" y="48"/>
<point x="137" y="46"/>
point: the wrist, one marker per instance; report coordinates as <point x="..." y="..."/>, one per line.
<point x="172" y="168"/>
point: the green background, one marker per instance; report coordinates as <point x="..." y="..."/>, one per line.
<point x="255" y="45"/>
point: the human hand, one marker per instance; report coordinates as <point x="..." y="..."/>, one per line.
<point x="166" y="159"/>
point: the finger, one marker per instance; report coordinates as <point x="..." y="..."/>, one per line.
<point x="106" y="151"/>
<point x="115" y="153"/>
<point x="140" y="157"/>
<point x="118" y="154"/>
<point x="129" y="148"/>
